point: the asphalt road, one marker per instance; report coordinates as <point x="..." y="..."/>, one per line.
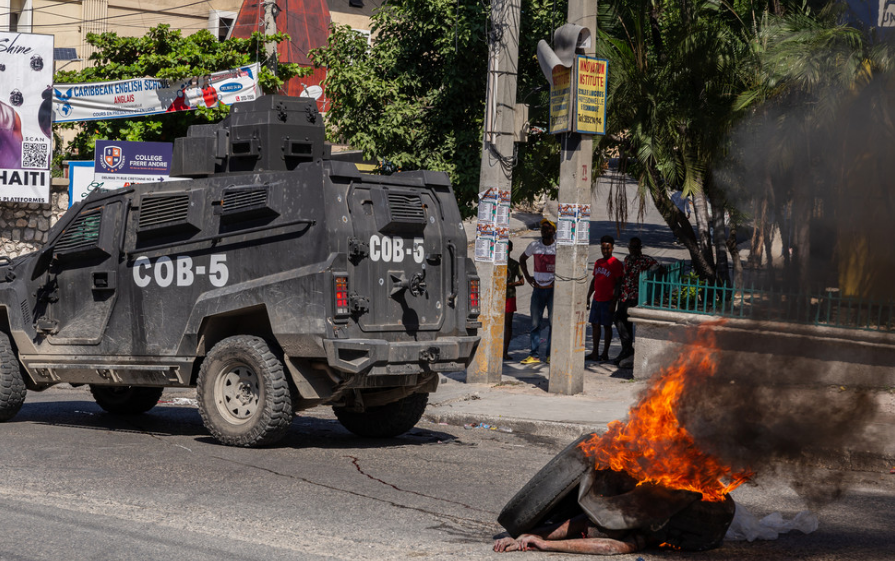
<point x="76" y="483"/>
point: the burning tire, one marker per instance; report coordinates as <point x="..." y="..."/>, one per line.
<point x="126" y="400"/>
<point x="12" y="386"/>
<point x="546" y="490"/>
<point x="243" y="393"/>
<point x="385" y="421"/>
<point x="699" y="527"/>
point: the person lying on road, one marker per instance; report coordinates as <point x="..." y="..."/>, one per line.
<point x="576" y="535"/>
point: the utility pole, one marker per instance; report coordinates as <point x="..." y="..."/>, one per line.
<point x="569" y="307"/>
<point x="271" y="11"/>
<point x="496" y="176"/>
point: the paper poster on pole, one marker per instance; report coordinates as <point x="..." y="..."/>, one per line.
<point x="566" y="224"/>
<point x="151" y="96"/>
<point x="583" y="237"/>
<point x="485" y="240"/>
<point x="26" y="117"/>
<point x="504" y="207"/>
<point x="488" y="204"/>
<point x="501" y="247"/>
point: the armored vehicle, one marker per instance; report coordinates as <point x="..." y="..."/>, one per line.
<point x="275" y="279"/>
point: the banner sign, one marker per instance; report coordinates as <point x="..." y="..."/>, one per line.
<point x="590" y="98"/>
<point x="151" y="96"/>
<point x="560" y="100"/>
<point x="80" y="181"/>
<point x="578" y="97"/>
<point x="122" y="163"/>
<point x="26" y="117"/>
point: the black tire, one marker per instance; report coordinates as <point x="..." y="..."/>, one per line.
<point x="126" y="400"/>
<point x="385" y="421"/>
<point x="12" y="385"/>
<point x="537" y="498"/>
<point x="699" y="527"/>
<point x="243" y="393"/>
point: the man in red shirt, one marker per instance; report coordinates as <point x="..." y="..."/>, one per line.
<point x="608" y="274"/>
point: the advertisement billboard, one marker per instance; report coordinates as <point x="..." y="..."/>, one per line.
<point x="151" y="96"/>
<point x="26" y="117"/>
<point x="119" y="163"/>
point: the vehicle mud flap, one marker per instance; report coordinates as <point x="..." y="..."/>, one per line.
<point x="547" y="489"/>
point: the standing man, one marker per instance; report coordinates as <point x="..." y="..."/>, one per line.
<point x="605" y="288"/>
<point x="635" y="263"/>
<point x="544" y="253"/>
<point x="514" y="279"/>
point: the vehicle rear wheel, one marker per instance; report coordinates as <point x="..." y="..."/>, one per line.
<point x="12" y="385"/>
<point x="546" y="490"/>
<point x="385" y="421"/>
<point x="126" y="400"/>
<point x="243" y="393"/>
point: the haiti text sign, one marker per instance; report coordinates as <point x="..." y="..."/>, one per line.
<point x="26" y="117"/>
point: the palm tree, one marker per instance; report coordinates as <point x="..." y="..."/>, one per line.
<point x="676" y="68"/>
<point x="818" y="104"/>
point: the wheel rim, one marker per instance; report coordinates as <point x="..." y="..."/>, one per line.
<point x="237" y="393"/>
<point x="118" y="394"/>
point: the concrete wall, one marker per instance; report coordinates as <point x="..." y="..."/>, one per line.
<point x="786" y="352"/>
<point x="23" y="227"/>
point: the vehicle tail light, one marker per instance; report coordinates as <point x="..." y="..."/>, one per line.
<point x="473" y="296"/>
<point x="340" y="295"/>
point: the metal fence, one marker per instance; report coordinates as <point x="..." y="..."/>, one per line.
<point x="677" y="288"/>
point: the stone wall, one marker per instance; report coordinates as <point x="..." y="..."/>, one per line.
<point x="24" y="226"/>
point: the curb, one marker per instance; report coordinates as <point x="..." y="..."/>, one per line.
<point x="549" y="429"/>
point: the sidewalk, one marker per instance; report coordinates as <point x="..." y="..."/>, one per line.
<point x="521" y="402"/>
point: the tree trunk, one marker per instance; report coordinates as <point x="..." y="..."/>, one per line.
<point x="705" y="260"/>
<point x="683" y="230"/>
<point x="719" y="239"/>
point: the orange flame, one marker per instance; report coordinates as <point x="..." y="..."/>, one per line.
<point x="652" y="446"/>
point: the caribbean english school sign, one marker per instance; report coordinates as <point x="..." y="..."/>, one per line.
<point x="152" y="96"/>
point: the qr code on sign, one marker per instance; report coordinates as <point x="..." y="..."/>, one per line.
<point x="34" y="154"/>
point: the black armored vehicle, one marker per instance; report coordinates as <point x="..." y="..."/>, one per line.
<point x="275" y="279"/>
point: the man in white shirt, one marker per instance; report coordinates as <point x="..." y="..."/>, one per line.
<point x="544" y="253"/>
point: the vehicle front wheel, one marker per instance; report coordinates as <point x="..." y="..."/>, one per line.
<point x="244" y="396"/>
<point x="12" y="386"/>
<point x="126" y="400"/>
<point x="385" y="421"/>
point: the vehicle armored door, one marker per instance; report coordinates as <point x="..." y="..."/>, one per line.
<point x="79" y="288"/>
<point x="398" y="263"/>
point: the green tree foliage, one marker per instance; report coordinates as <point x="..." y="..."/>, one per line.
<point x="819" y="109"/>
<point x="416" y="97"/>
<point x="675" y="69"/>
<point x="163" y="53"/>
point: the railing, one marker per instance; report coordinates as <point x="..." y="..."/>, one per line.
<point x="677" y="288"/>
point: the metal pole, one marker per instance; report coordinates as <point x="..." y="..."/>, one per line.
<point x="497" y="173"/>
<point x="271" y="11"/>
<point x="569" y="307"/>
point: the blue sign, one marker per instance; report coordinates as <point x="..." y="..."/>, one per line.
<point x="133" y="158"/>
<point x="230" y="87"/>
